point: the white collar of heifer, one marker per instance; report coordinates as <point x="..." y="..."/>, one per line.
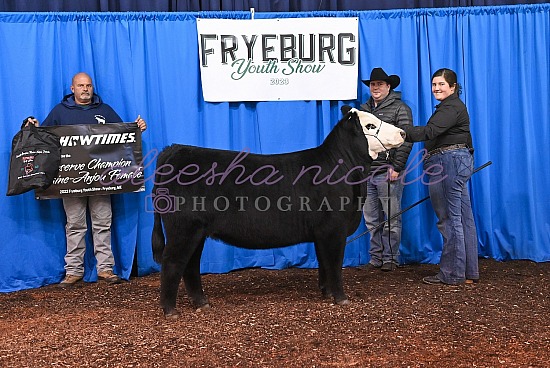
<point x="371" y="128"/>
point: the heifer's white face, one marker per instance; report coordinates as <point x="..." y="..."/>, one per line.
<point x="381" y="135"/>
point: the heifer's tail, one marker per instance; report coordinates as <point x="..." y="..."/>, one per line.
<point x="157" y="239"/>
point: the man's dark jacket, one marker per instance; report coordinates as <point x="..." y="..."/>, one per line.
<point x="68" y="112"/>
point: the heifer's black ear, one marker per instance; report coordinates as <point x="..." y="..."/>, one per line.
<point x="345" y="109"/>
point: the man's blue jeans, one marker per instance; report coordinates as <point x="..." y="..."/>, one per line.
<point x="452" y="205"/>
<point x="385" y="240"/>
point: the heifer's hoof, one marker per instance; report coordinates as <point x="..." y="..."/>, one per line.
<point x="171" y="314"/>
<point x="203" y="307"/>
<point x="343" y="302"/>
<point x="325" y="293"/>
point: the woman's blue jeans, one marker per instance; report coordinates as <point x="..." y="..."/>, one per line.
<point x="452" y="205"/>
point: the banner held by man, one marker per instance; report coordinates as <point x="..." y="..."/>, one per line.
<point x="97" y="159"/>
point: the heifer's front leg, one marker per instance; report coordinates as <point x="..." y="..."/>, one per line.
<point x="322" y="273"/>
<point x="330" y="253"/>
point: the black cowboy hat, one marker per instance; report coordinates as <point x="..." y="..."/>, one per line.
<point x="378" y="74"/>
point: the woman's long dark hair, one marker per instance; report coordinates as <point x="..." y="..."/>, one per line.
<point x="450" y="77"/>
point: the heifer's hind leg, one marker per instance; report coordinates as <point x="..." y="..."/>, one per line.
<point x="173" y="264"/>
<point x="192" y="279"/>
<point x="330" y="254"/>
<point x="179" y="250"/>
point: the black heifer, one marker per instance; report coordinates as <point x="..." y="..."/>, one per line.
<point x="262" y="201"/>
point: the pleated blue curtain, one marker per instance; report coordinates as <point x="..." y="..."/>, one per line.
<point x="147" y="63"/>
<point x="237" y="5"/>
<point x="506" y="66"/>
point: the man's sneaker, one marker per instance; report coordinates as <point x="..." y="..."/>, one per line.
<point x="109" y="277"/>
<point x="432" y="280"/>
<point x="388" y="266"/>
<point x="369" y="267"/>
<point x="70" y="280"/>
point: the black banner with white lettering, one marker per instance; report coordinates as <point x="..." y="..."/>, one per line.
<point x="97" y="159"/>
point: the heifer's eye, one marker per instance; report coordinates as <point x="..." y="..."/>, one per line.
<point x="370" y="126"/>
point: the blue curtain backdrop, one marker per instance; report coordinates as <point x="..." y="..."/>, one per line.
<point x="236" y="5"/>
<point x="147" y="63"/>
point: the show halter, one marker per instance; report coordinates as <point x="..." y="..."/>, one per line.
<point x="375" y="135"/>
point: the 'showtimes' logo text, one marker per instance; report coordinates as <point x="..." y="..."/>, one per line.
<point x="95" y="139"/>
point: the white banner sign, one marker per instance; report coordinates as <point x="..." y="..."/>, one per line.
<point x="278" y="59"/>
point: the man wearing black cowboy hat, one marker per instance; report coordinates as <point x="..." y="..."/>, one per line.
<point x="385" y="188"/>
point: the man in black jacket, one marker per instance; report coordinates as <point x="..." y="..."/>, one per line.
<point x="385" y="189"/>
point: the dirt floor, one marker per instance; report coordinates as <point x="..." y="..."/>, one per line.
<point x="262" y="318"/>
